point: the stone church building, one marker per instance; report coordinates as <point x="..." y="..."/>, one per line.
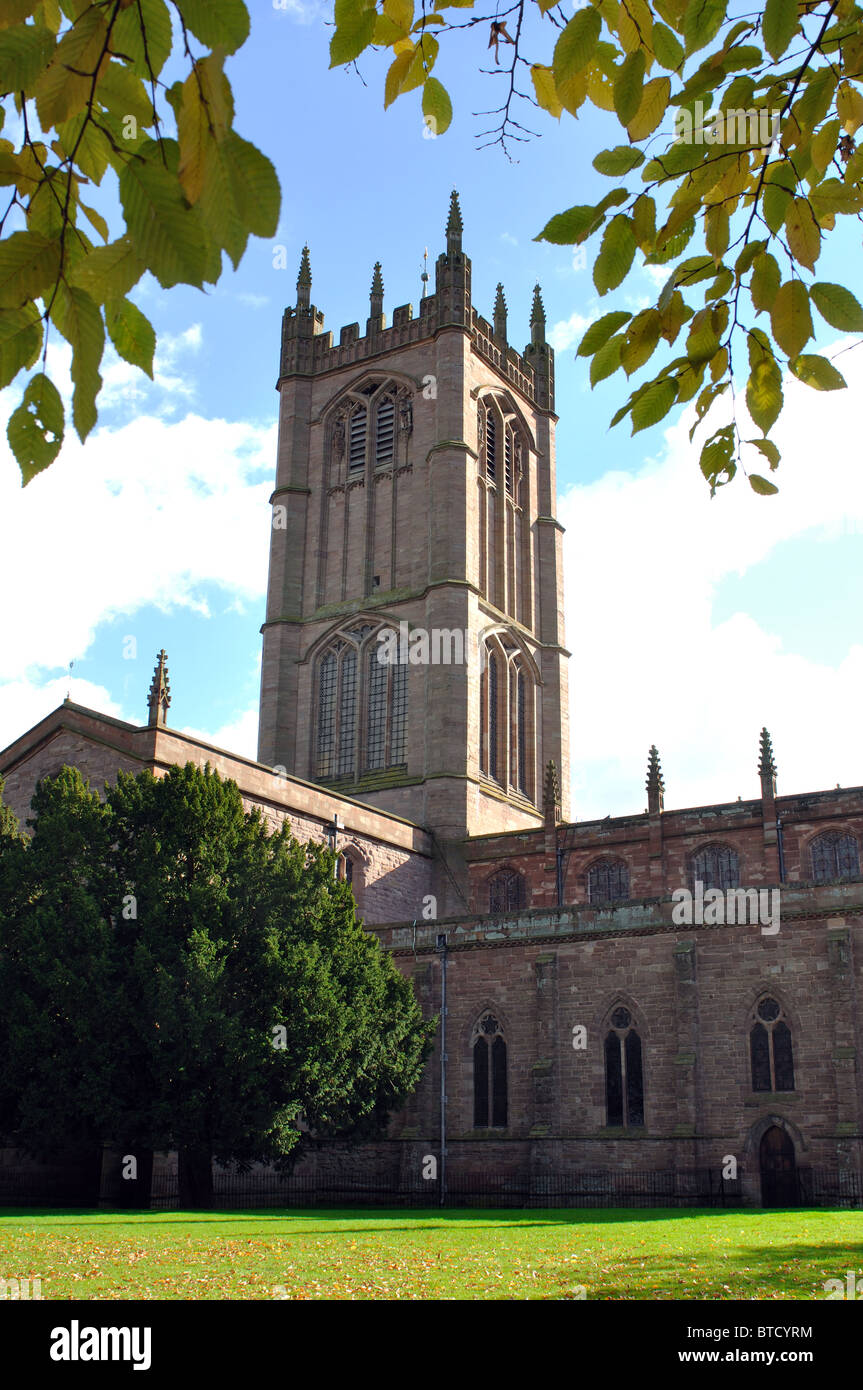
<point x="672" y="995"/>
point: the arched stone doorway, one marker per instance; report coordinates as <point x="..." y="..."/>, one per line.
<point x="778" y="1169"/>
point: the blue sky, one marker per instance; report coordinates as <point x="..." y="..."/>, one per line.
<point x="691" y="622"/>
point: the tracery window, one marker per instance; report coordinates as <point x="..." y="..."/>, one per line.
<point x="504" y="539"/>
<point x="624" y="1077"/>
<point x="608" y="881"/>
<point x="488" y="1046"/>
<point x="715" y="866"/>
<point x="507" y="714"/>
<point x="362" y="707"/>
<point x="506" y="891"/>
<point x="369" y="423"/>
<point x="834" y="855"/>
<point x="770" y="1048"/>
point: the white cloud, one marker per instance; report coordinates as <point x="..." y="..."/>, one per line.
<point x="25" y="701"/>
<point x="151" y="513"/>
<point x="239" y="735"/>
<point x="644" y="555"/>
<point x="566" y="332"/>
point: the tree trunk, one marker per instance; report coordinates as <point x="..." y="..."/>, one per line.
<point x="126" y="1184"/>
<point x="195" y="1177"/>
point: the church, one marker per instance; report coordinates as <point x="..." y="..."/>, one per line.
<point x="669" y="999"/>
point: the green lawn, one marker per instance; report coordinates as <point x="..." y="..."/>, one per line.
<point x="361" y="1254"/>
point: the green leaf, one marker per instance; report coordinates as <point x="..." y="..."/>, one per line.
<point x="653" y="404"/>
<point x="354" y="33"/>
<point x="628" y="86"/>
<point x="35" y="429"/>
<point x="618" y="161"/>
<point x="804" y="234"/>
<point x="640" y="340"/>
<point x="599" y="333"/>
<point x="768" y="449"/>
<point x="790" y="318"/>
<point x="702" y="22"/>
<point x="16" y="11"/>
<point x="240" y="195"/>
<point x="124" y="94"/>
<point x="765" y="280"/>
<point x="778" y="26"/>
<point x="717" y="458"/>
<point x="398" y="71"/>
<point x="838" y="306"/>
<point x="29" y="266"/>
<point x="63" y="88"/>
<point x="165" y="231"/>
<point x="568" y="228"/>
<point x="131" y="333"/>
<point x="577" y="44"/>
<point x="127" y="38"/>
<point x="25" y="50"/>
<point x="20" y="341"/>
<point x="764" y="393"/>
<point x="615" y="255"/>
<point x="651" y="108"/>
<point x="110" y="271"/>
<point x="79" y="320"/>
<point x="437" y="107"/>
<point x="817" y="372"/>
<point x="546" y="89"/>
<point x="606" y="360"/>
<point x="217" y="23"/>
<point x="667" y="47"/>
<point x="833" y="196"/>
<point x="762" y="486"/>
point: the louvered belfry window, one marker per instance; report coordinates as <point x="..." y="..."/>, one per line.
<point x="385" y="432"/>
<point x="357" y="444"/>
<point x="490" y="445"/>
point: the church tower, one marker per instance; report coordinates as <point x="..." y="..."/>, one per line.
<point x="413" y="644"/>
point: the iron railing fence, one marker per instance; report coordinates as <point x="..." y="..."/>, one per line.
<point x="697" y="1187"/>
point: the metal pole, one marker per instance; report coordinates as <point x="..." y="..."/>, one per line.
<point x="441" y="945"/>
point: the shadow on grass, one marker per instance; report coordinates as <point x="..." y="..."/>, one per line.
<point x="412" y="1219"/>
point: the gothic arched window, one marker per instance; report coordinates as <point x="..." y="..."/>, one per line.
<point x="488" y="1047"/>
<point x="491" y="734"/>
<point x="362" y="707"/>
<point x="607" y="881"/>
<point x="715" y="866"/>
<point x="624" y="1077"/>
<point x="369" y="422"/>
<point x="834" y="855"/>
<point x="507" y="717"/>
<point x="504" y="537"/>
<point x="770" y="1048"/>
<point x="327" y="673"/>
<point x="506" y="891"/>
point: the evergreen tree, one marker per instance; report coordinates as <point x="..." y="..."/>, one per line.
<point x="212" y="984"/>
